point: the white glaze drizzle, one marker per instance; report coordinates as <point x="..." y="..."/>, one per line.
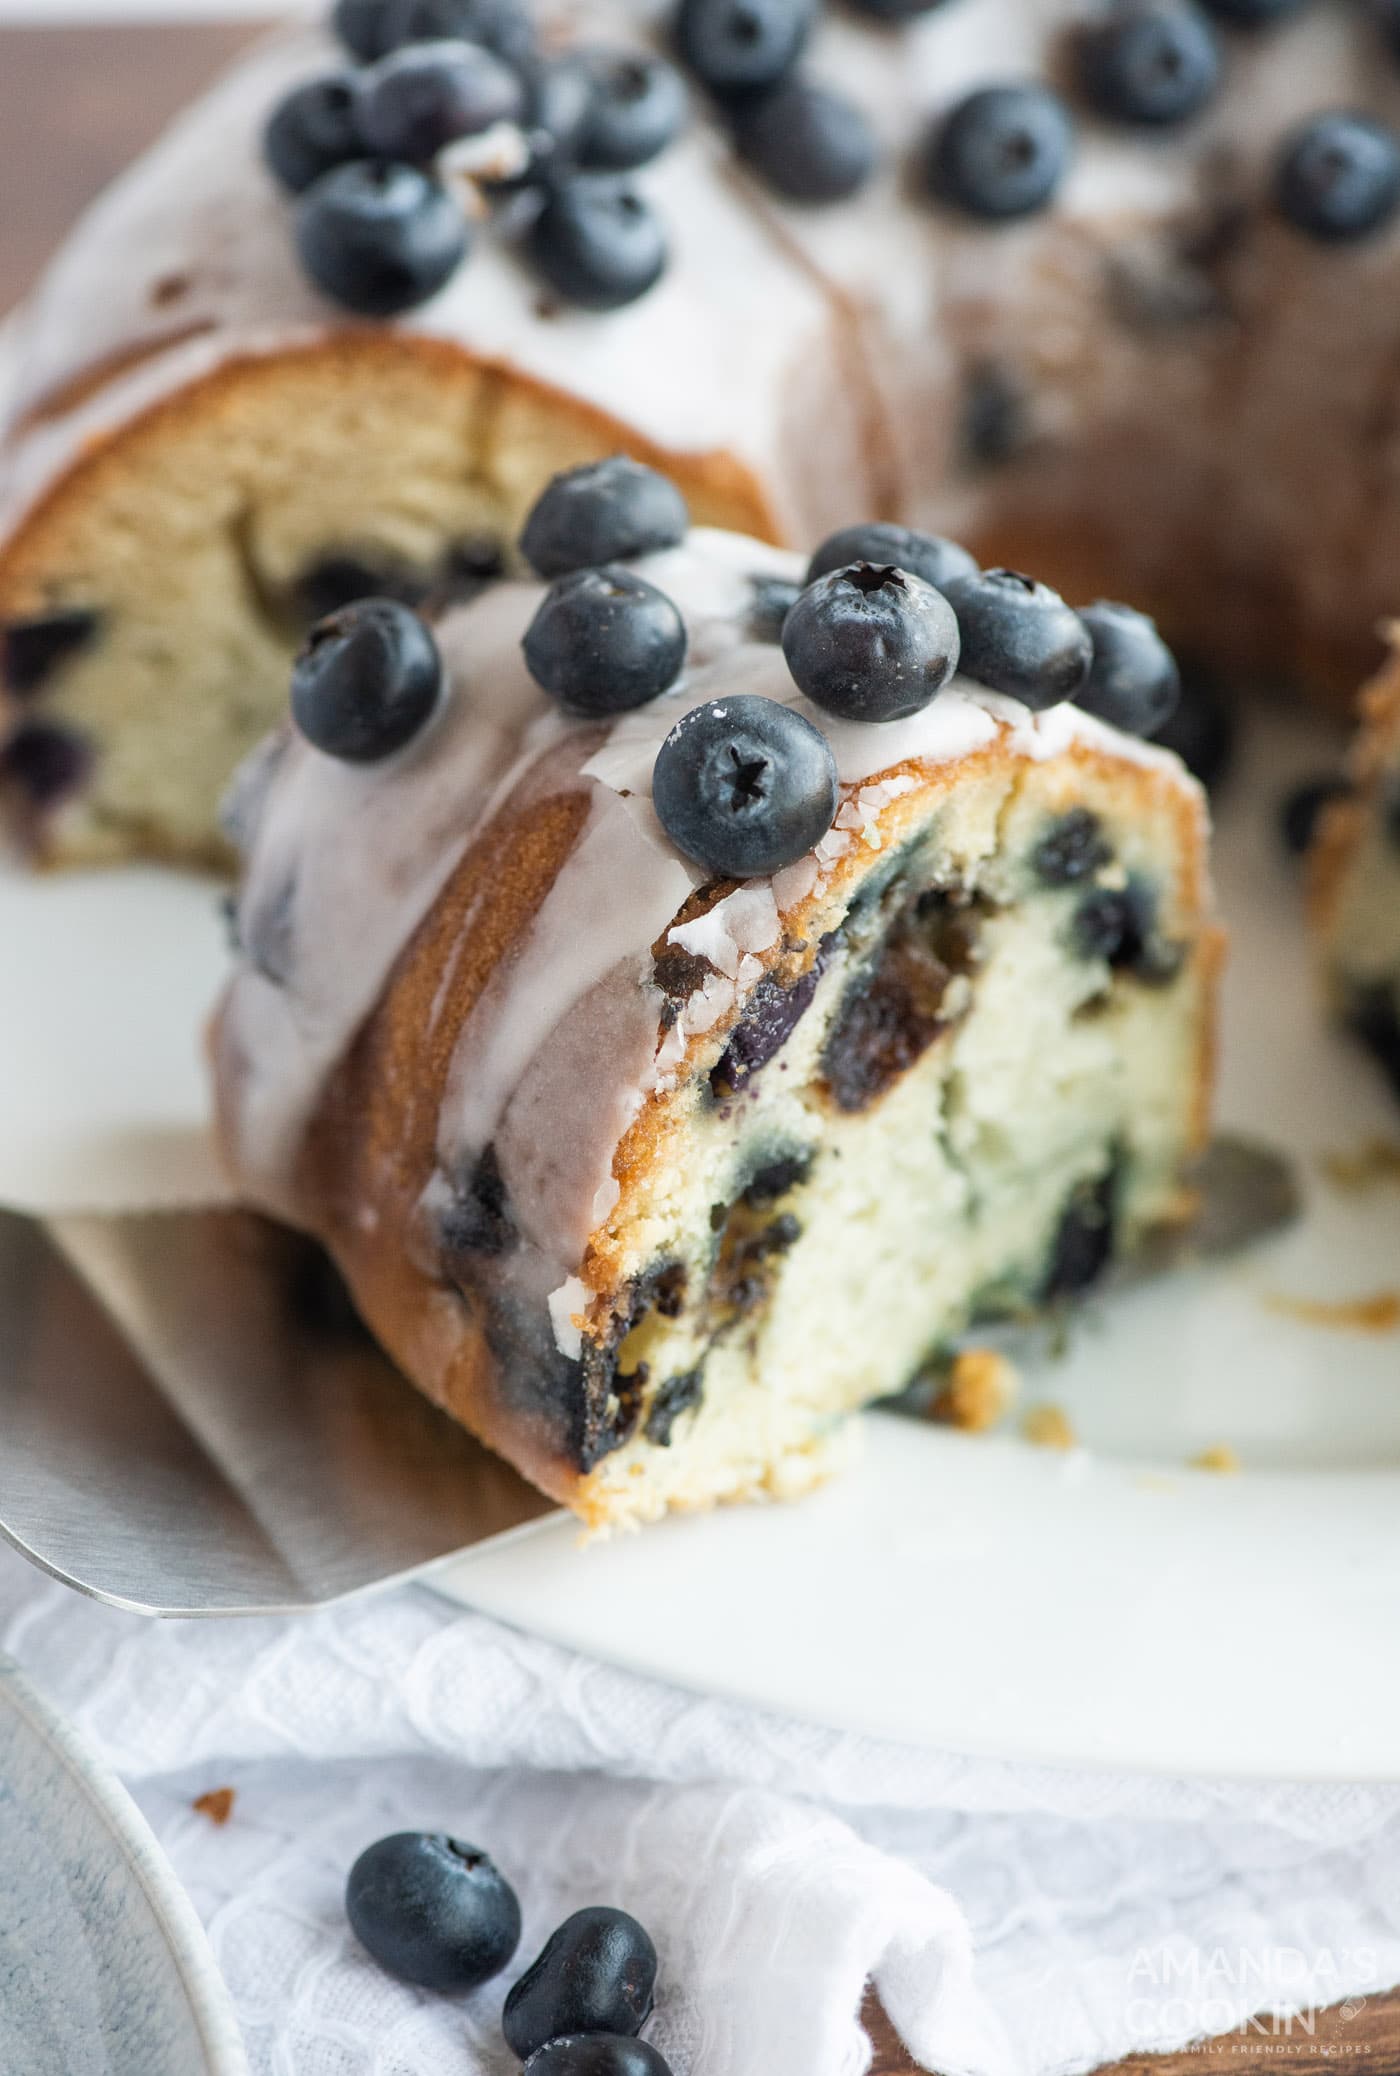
<point x="566" y="1042"/>
<point x="202" y="210"/>
<point x="739" y="348"/>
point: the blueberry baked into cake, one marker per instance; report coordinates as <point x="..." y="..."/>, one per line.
<point x="1354" y="869"/>
<point x="684" y="990"/>
<point x="1107" y="290"/>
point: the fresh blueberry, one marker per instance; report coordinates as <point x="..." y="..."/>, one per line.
<point x="744" y="785"/>
<point x="1020" y="637"/>
<point x="504" y="26"/>
<point x="559" y="103"/>
<point x="925" y="555"/>
<point x="361" y="26"/>
<point x="742" y="46"/>
<point x="1153" y="61"/>
<point x="871" y="642"/>
<point x="45" y="763"/>
<point x="379" y="238"/>
<point x="605" y="511"/>
<point x="1001" y="152"/>
<point x="809" y="144"/>
<point x="32" y="649"/>
<point x="596" y="1974"/>
<point x="598" y="243"/>
<point x="1133" y="681"/>
<point x="635" y="107"/>
<point x="421" y="98"/>
<point x="604" y="640"/>
<point x="1202" y="729"/>
<point x="596" y="2054"/>
<point x="1252" y="14"/>
<point x="432" y="1910"/>
<point x="773" y="599"/>
<point x="1303" y="808"/>
<point x="312" y="129"/>
<point x="366" y="680"/>
<point x="373" y="28"/>
<point x="1338" y="177"/>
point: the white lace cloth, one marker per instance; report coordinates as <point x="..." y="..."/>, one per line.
<point x="1014" y="1920"/>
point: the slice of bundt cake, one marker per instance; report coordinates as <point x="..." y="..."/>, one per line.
<point x="1109" y="291"/>
<point x="682" y="996"/>
<point x="1354" y="871"/>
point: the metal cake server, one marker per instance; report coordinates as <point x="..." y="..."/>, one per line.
<point x="192" y="1422"/>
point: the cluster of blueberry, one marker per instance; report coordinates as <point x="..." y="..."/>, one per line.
<point x="743" y="785"/>
<point x="439" y="1913"/>
<point x="378" y="229"/>
<point x="1003" y="151"/>
<point x="368" y="152"/>
<point x="885" y="617"/>
<point x="807" y="141"/>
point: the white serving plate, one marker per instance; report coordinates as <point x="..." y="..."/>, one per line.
<point x="1110" y="1606"/>
<point x="104" y="1969"/>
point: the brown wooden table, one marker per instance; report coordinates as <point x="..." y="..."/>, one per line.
<point x="75" y="104"/>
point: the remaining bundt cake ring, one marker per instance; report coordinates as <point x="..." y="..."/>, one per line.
<point x="680" y="999"/>
<point x="1069" y="280"/>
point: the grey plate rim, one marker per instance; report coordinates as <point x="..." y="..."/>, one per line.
<point x="147" y="1867"/>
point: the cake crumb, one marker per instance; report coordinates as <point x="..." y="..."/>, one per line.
<point x="1370" y="1166"/>
<point x="217" y="1804"/>
<point x="1047" y="1427"/>
<point x="1219" y="1457"/>
<point x="981" y="1386"/>
<point x="1378" y="1314"/>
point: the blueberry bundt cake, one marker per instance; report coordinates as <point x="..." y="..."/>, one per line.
<point x="1355" y="880"/>
<point x="1106" y="287"/>
<point x="683" y="994"/>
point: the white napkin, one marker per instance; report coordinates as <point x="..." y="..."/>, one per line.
<point x="1014" y="1920"/>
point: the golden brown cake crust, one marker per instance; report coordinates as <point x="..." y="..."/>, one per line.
<point x="721" y="490"/>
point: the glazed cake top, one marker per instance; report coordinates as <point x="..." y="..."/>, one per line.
<point x="767" y="314"/>
<point x="569" y="1041"/>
